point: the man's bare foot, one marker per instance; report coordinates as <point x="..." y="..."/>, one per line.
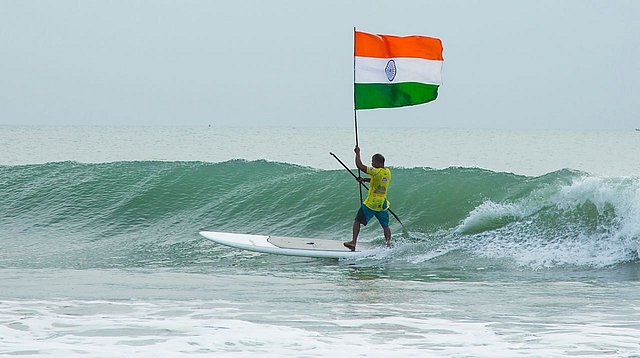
<point x="350" y="245"/>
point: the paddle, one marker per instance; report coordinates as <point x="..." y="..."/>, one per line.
<point x="365" y="186"/>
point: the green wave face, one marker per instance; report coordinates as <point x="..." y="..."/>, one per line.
<point x="130" y="214"/>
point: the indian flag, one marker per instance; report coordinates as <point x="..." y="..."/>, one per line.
<point x="393" y="71"/>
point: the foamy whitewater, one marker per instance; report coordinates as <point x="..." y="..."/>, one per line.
<point x="514" y="244"/>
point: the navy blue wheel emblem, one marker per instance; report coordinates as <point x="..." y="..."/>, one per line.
<point x="391" y="70"/>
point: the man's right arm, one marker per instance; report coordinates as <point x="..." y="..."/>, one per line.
<point x="359" y="164"/>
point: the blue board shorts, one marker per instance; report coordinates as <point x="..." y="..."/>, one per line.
<point x="365" y="214"/>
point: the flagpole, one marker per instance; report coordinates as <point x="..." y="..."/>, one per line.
<point x="355" y="116"/>
<point x="355" y="111"/>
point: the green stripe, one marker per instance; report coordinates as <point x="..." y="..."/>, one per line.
<point x="383" y="95"/>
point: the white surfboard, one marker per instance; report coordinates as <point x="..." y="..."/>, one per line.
<point x="281" y="245"/>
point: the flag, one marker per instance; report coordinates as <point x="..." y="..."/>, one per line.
<point x="393" y="71"/>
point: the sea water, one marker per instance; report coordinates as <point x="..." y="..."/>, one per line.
<point x="513" y="243"/>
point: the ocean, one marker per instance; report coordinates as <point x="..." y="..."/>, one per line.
<point x="512" y="244"/>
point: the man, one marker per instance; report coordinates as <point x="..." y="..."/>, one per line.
<point x="376" y="203"/>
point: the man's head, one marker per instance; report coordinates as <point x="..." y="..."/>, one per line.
<point x="377" y="160"/>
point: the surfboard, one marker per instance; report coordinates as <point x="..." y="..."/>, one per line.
<point x="282" y="245"/>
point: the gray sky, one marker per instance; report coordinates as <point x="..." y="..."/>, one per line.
<point x="550" y="64"/>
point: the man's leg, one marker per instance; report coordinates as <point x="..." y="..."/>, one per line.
<point x="351" y="245"/>
<point x="387" y="235"/>
<point x="383" y="218"/>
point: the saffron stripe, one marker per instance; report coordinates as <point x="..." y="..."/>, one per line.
<point x="388" y="46"/>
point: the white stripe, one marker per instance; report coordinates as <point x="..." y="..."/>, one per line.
<point x="372" y="70"/>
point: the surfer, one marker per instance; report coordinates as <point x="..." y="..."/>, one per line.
<point x="376" y="203"/>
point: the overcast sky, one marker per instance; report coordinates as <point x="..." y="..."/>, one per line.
<point x="550" y="64"/>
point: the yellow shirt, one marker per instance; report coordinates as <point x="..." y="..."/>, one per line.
<point x="377" y="198"/>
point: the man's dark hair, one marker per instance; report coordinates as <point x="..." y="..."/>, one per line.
<point x="378" y="158"/>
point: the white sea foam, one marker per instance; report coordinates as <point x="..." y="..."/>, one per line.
<point x="519" y="231"/>
<point x="224" y="329"/>
<point x="489" y="214"/>
<point x="621" y="194"/>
